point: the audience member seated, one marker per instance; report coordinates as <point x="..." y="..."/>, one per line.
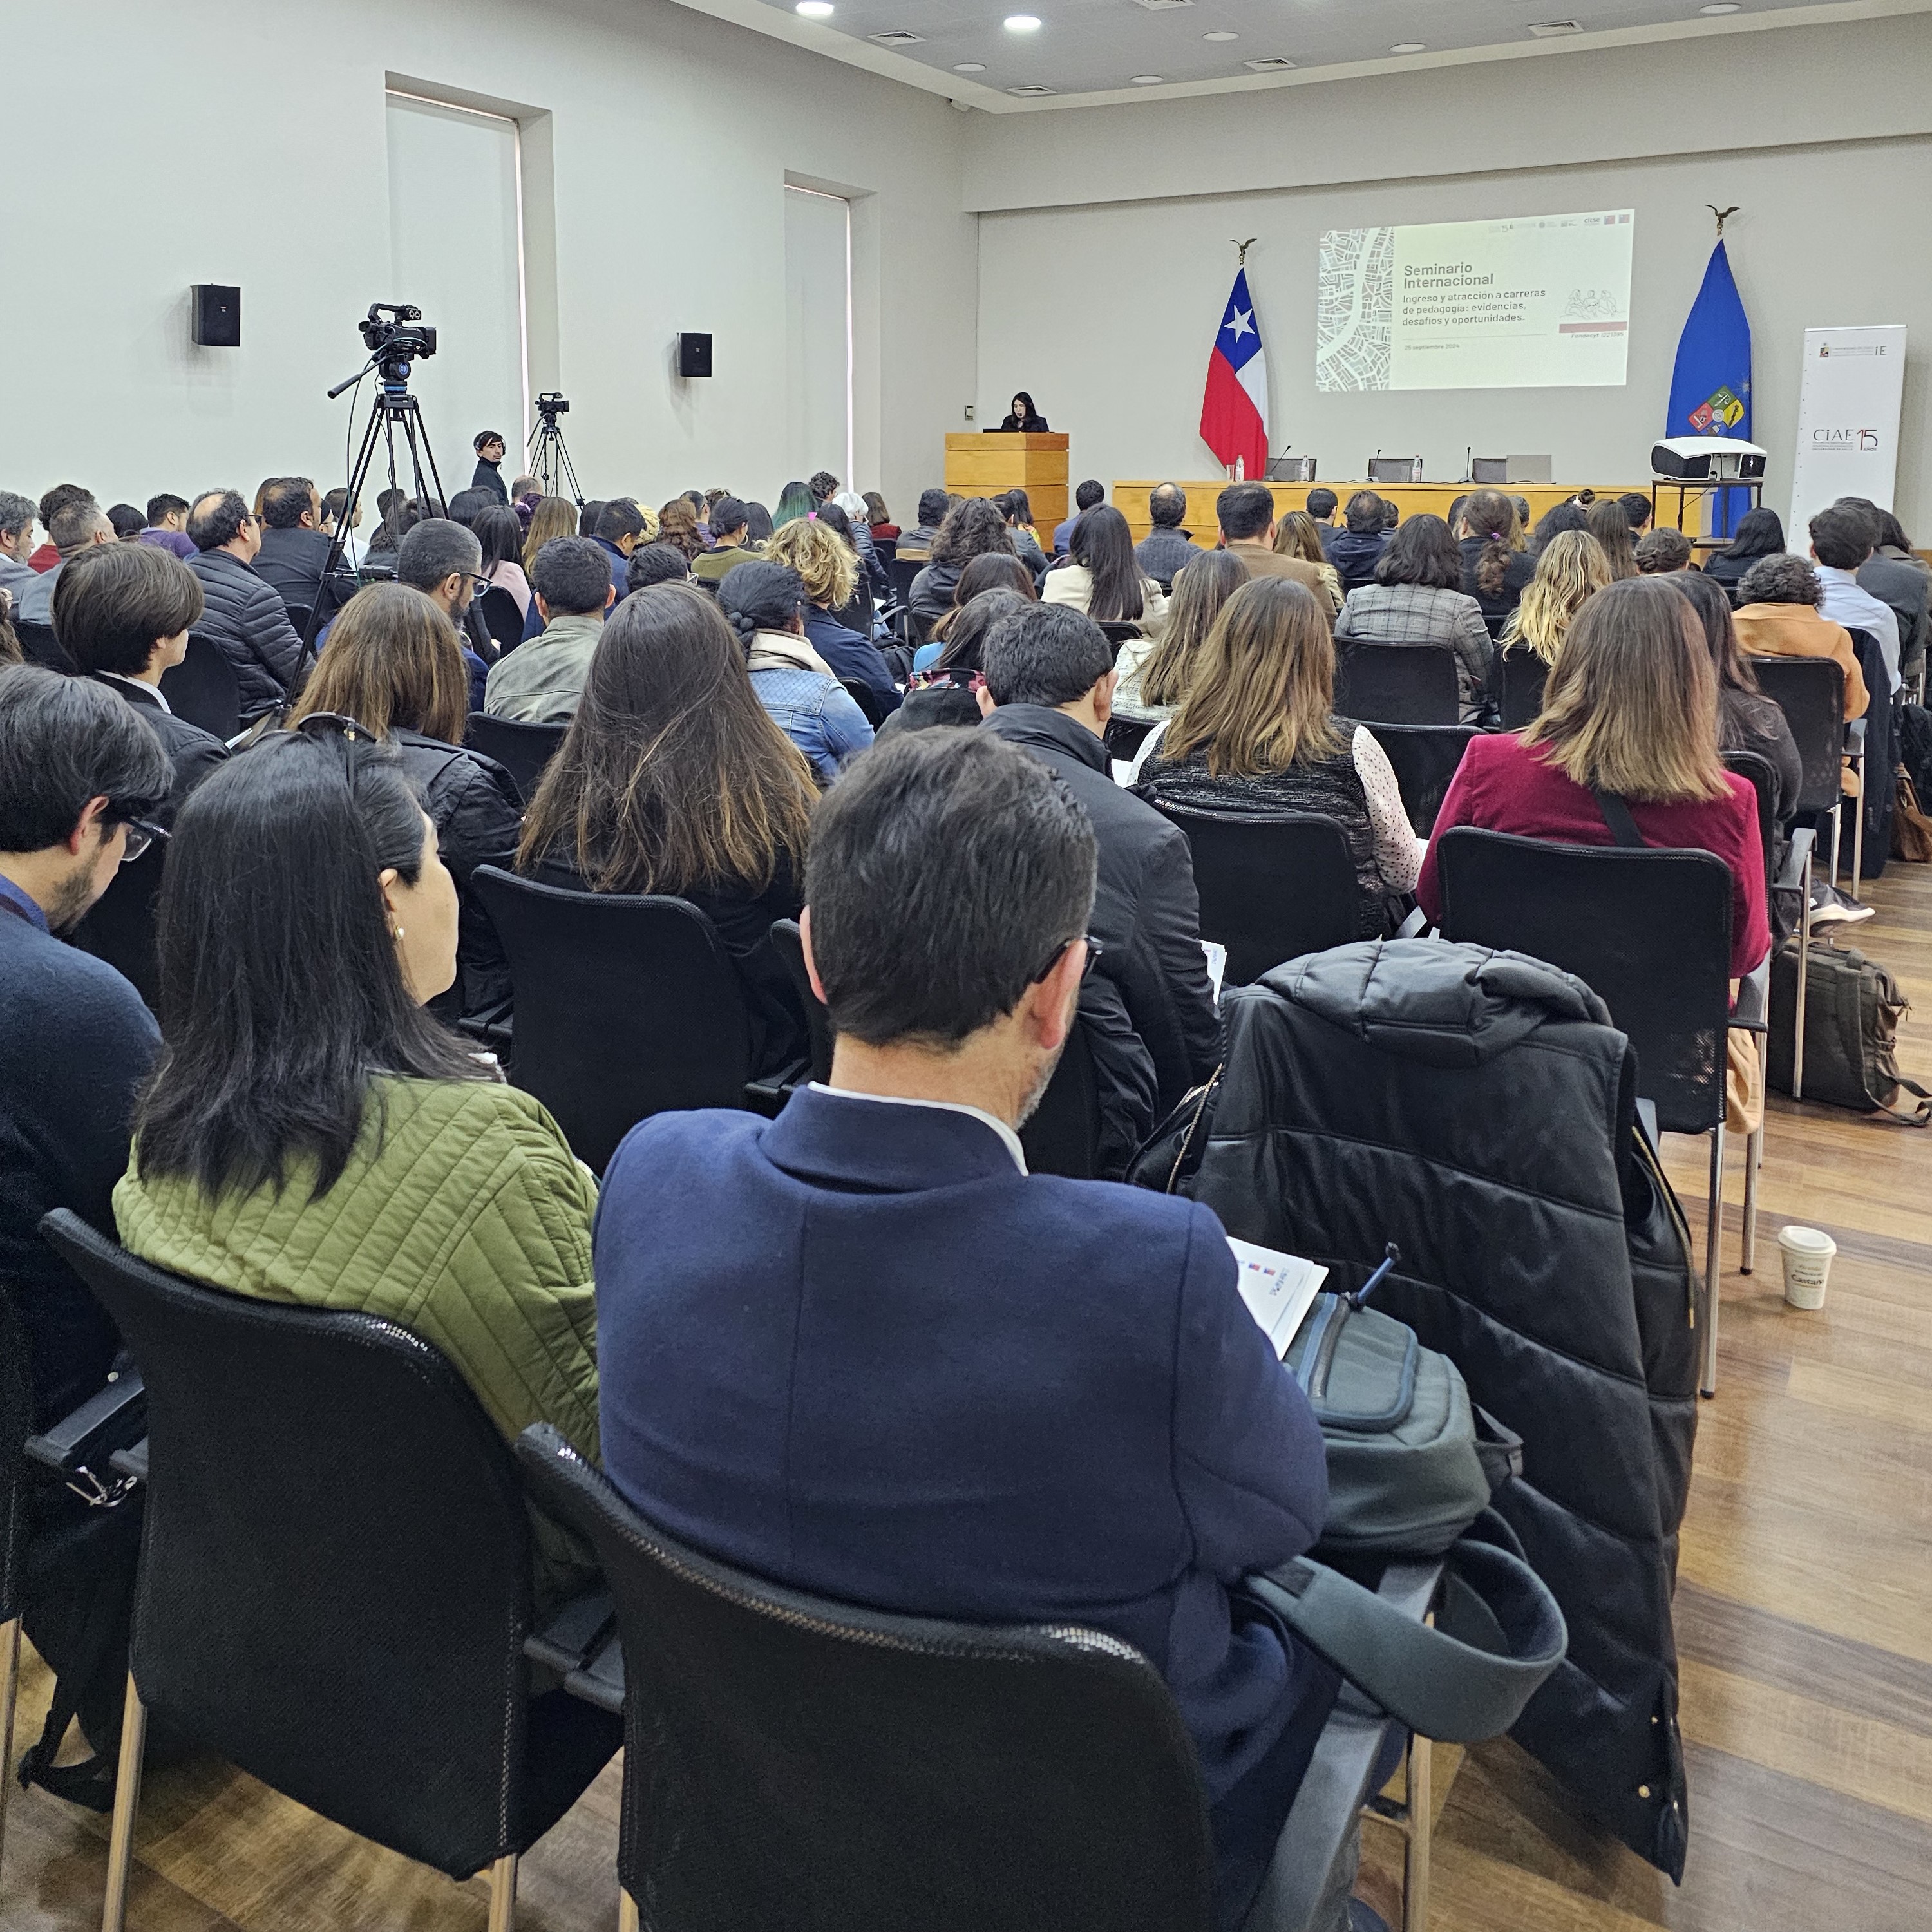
<point x="1155" y="677"/>
<point x="1496" y="562"/>
<point x="1103" y="581"/>
<point x="400" y="515"/>
<point x="78" y="769"/>
<point x="467" y="506"/>
<point x="1416" y="599"/>
<point x="51" y="502"/>
<point x="312" y="1135"/>
<point x="488" y="474"/>
<point x="1662" y="553"/>
<point x="765" y="605"/>
<point x="1296" y="534"/>
<point x="1168" y="547"/>
<point x="167" y="526"/>
<point x="539" y="681"/>
<point x="1606" y="522"/>
<point x="500" y="532"/>
<point x="974" y="527"/>
<point x="1356" y="548"/>
<point x="757" y="524"/>
<point x="1569" y="568"/>
<point x="1245" y="513"/>
<point x="933" y="505"/>
<point x="1902" y="580"/>
<point x="795" y="500"/>
<point x="128" y="522"/>
<point x="1321" y="506"/>
<point x="829" y="570"/>
<point x="1049" y="671"/>
<point x="295" y="547"/>
<point x="868" y="569"/>
<point x="392" y="663"/>
<point x="1256" y="733"/>
<point x="1391" y="515"/>
<point x="947" y="693"/>
<point x="587" y="514"/>
<point x="1555" y="522"/>
<point x="1085" y="496"/>
<point x="1747" y="721"/>
<point x="17" y="513"/>
<point x="677" y="526"/>
<point x="657" y="563"/>
<point x="1843" y="540"/>
<point x="442" y="559"/>
<point x="879" y="519"/>
<point x="1017" y="510"/>
<point x="1778" y="616"/>
<point x="1759" y="534"/>
<point x="673" y="778"/>
<point x="1067" y="1416"/>
<point x="621" y="527"/>
<point x="993" y="571"/>
<point x="1636" y="509"/>
<point x="823" y="485"/>
<point x="245" y="619"/>
<point x="79" y="523"/>
<point x="553" y="516"/>
<point x="730" y="545"/>
<point x="1631" y="709"/>
<point x="123" y="612"/>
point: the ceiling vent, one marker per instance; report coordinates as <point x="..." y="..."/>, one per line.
<point x="1032" y="93"/>
<point x="1276" y="65"/>
<point x="898" y="37"/>
<point x="1162" y="6"/>
<point x="1548" y="30"/>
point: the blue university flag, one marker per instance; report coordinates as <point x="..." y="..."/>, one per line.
<point x="1711" y="386"/>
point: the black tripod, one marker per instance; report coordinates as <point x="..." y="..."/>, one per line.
<point x="393" y="405"/>
<point x="550" y="456"/>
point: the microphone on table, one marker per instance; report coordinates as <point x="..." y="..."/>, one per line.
<point x="1469" y="464"/>
<point x="1372" y="461"/>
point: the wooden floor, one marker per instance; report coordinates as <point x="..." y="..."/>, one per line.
<point x="1804" y="1618"/>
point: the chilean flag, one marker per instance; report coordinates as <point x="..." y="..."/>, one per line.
<point x="1234" y="410"/>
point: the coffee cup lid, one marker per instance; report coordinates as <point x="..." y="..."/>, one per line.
<point x="1808" y="1240"/>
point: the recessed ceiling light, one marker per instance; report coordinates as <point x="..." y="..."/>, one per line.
<point x="1147" y="79"/>
<point x="1223" y="35"/>
<point x="1021" y="23"/>
<point x="1408" y="47"/>
<point x="814" y="9"/>
<point x="1721" y="6"/>
<point x="970" y="67"/>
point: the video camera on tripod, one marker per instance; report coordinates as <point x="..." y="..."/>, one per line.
<point x="549" y="458"/>
<point x="395" y="345"/>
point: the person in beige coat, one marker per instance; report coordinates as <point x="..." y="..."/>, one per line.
<point x="1103" y="581"/>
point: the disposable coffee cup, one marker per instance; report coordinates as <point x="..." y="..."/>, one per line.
<point x="1807" y="1253"/>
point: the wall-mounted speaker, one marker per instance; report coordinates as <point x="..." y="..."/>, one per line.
<point x="693" y="355"/>
<point x="218" y="315"/>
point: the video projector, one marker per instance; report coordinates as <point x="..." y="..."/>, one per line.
<point x="1706" y="459"/>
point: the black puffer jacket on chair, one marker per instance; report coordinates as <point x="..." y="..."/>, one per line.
<point x="1475" y="1107"/>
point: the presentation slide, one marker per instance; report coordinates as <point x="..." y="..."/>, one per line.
<point x="1542" y="302"/>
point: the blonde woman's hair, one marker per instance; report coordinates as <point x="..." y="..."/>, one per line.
<point x="1295" y="536"/>
<point x="392" y="663"/>
<point x="1202" y="586"/>
<point x="1263" y="694"/>
<point x="828" y="564"/>
<point x="1572" y="568"/>
<point x="1630" y="704"/>
<point x="553" y="516"/>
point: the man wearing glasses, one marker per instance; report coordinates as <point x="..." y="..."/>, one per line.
<point x="81" y="775"/>
<point x="442" y="559"/>
<point x="245" y="616"/>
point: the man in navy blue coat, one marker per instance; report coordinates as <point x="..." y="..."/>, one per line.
<point x="858" y="1350"/>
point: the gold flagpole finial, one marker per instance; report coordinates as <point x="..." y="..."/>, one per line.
<point x="1242" y="262"/>
<point x="1723" y="214"/>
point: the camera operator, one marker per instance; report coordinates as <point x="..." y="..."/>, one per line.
<point x="488" y="445"/>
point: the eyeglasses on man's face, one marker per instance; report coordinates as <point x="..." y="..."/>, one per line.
<point x="141" y="834"/>
<point x="1093" y="951"/>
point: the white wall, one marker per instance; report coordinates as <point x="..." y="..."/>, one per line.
<point x="1106" y="310"/>
<point x="194" y="144"/>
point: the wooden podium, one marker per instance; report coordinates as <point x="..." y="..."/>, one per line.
<point x="986" y="464"/>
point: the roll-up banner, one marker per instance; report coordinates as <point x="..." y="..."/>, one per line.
<point x="1848" y="399"/>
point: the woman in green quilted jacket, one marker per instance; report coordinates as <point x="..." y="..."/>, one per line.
<point x="311" y="1135"/>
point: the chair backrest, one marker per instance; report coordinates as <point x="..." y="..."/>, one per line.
<point x="1272" y="887"/>
<point x="523" y="750"/>
<point x="501" y="617"/>
<point x="1396" y="684"/>
<point x="1425" y="757"/>
<point x="797" y="1765"/>
<point x="857" y="615"/>
<point x="1064" y="1135"/>
<point x="868" y="700"/>
<point x="1649" y="931"/>
<point x="301" y="616"/>
<point x="788" y="943"/>
<point x="1493" y="621"/>
<point x="902" y="570"/>
<point x="335" y="1563"/>
<point x="39" y="646"/>
<point x="627" y="1005"/>
<point x="1523" y="673"/>
<point x="201" y="688"/>
<point x="120" y="926"/>
<point x="1811" y="692"/>
<point x="1764" y="783"/>
<point x="1120" y="634"/>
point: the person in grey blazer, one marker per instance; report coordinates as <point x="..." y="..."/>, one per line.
<point x="1417" y="598"/>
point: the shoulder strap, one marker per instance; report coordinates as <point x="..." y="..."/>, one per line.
<point x="1497" y="1636"/>
<point x="1920" y="1116"/>
<point x="1617" y="817"/>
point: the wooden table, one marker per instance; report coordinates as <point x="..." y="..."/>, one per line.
<point x="987" y="464"/>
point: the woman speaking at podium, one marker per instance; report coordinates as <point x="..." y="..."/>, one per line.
<point x="1023" y="416"/>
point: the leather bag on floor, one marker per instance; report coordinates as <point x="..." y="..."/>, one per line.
<point x="1853" y="1006"/>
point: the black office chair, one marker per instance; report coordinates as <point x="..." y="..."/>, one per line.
<point x="39" y="646"/>
<point x="1493" y="622"/>
<point x="1425" y="757"/>
<point x="857" y="615"/>
<point x="300" y="616"/>
<point x="1396" y="684"/>
<point x="789" y="944"/>
<point x="1124" y="736"/>
<point x="885" y="549"/>
<point x="794" y="1763"/>
<point x="1523" y="673"/>
<point x="1869" y="748"/>
<point x="120" y="926"/>
<point x="627" y="1005"/>
<point x="868" y="700"/>
<point x="523" y="750"/>
<point x="203" y="689"/>
<point x="1064" y="1135"/>
<point x="335" y="1586"/>
<point x="902" y="570"/>
<point x="1271" y="887"/>
<point x="501" y="617"/>
<point x="1118" y="634"/>
<point x="1650" y="932"/>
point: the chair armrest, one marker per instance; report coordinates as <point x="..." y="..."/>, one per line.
<point x="109" y="1419"/>
<point x="1646" y="1122"/>
<point x="767" y="1096"/>
<point x="1753" y="1000"/>
<point x="601" y="1681"/>
<point x="1855" y="738"/>
<point x="1792" y="877"/>
<point x="131" y="1461"/>
<point x="567" y="1641"/>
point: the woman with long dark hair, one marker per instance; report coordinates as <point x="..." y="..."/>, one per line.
<point x="1496" y="562"/>
<point x="1022" y="415"/>
<point x="993" y="570"/>
<point x="1417" y="598"/>
<point x="310" y="1135"/>
<point x="500" y="531"/>
<point x="1554" y="523"/>
<point x="1608" y="523"/>
<point x="766" y="603"/>
<point x="1103" y="579"/>
<point x="673" y="779"/>
<point x="946" y="691"/>
<point x="1759" y="533"/>
<point x="1747" y="721"/>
